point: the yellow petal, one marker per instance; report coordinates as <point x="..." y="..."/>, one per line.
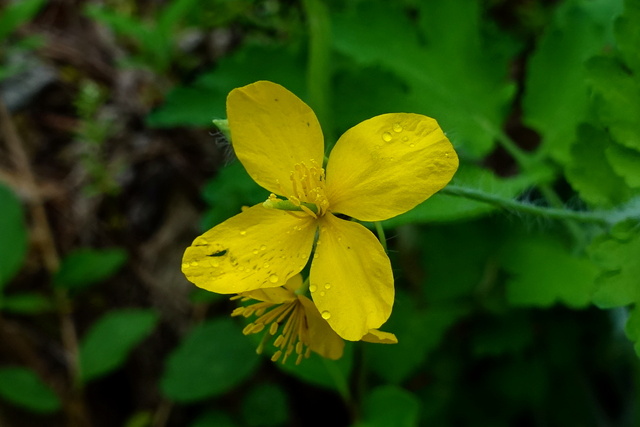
<point x="258" y="248"/>
<point x="271" y="131"/>
<point x="322" y="339"/>
<point x="380" y="337"/>
<point x="351" y="279"/>
<point x="387" y="165"/>
<point x="278" y="295"/>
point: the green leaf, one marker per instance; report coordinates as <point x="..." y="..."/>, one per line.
<point x="458" y="77"/>
<point x="542" y="273"/>
<point x="214" y="418"/>
<point x="23" y="387"/>
<point x="25" y="303"/>
<point x="619" y="105"/>
<point x="265" y="405"/>
<point x="632" y="328"/>
<point x="13" y="236"/>
<point x="227" y="192"/>
<point x="419" y="332"/>
<point x="204" y="100"/>
<point x="627" y="33"/>
<point x="625" y="162"/>
<point x="390" y="406"/>
<point x="617" y="254"/>
<point x="446" y="208"/>
<point x="555" y="106"/>
<point x="590" y="173"/>
<point x="85" y="267"/>
<point x="17" y="13"/>
<point x="506" y="333"/>
<point x="107" y="344"/>
<point x="316" y="370"/>
<point x="211" y="360"/>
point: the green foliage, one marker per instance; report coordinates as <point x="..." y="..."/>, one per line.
<point x="469" y="94"/>
<point x="13" y="236"/>
<point x="12" y="16"/>
<point x="536" y="282"/>
<point x="390" y="405"/>
<point x="106" y="346"/>
<point x="82" y="268"/>
<point x="203" y="100"/>
<point x="154" y="38"/>
<point x="211" y="360"/>
<point x="24" y="388"/>
<point x="265" y="405"/>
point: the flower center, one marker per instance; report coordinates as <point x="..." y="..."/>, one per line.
<point x="292" y="337"/>
<point x="308" y="194"/>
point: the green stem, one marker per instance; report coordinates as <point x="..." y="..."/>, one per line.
<point x="381" y="235"/>
<point x="600" y="218"/>
<point x="318" y="69"/>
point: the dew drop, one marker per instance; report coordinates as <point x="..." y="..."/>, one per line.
<point x="215" y="264"/>
<point x="186" y="265"/>
<point x="255" y="252"/>
<point x="327" y="285"/>
<point x="194" y="263"/>
<point x="273" y="278"/>
<point x="322" y="293"/>
<point x="313" y="288"/>
<point x="412" y="145"/>
<point x="405" y="138"/>
<point x="326" y="315"/>
<point x="263" y="247"/>
<point x="386" y="136"/>
<point x="397" y="127"/>
<point x="265" y="265"/>
<point x="243" y="232"/>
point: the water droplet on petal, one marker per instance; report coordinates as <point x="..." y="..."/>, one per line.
<point x="194" y="263"/>
<point x="322" y="293"/>
<point x="386" y="136"/>
<point x="327" y="285"/>
<point x="326" y="315"/>
<point x="186" y="265"/>
<point x="263" y="247"/>
<point x="243" y="232"/>
<point x="412" y="145"/>
<point x="255" y="252"/>
<point x="313" y="288"/>
<point x="266" y="265"/>
<point x="397" y="127"/>
<point x="273" y="278"/>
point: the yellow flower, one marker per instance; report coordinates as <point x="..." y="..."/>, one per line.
<point x="378" y="169"/>
<point x="297" y="323"/>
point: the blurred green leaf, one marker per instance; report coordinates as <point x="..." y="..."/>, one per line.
<point x="589" y="172"/>
<point x="107" y="344"/>
<point x="542" y="272"/>
<point x="13" y="236"/>
<point x="25" y="303"/>
<point x="459" y="77"/>
<point x="316" y="370"/>
<point x="205" y="99"/>
<point x="17" y="13"/>
<point x="445" y="208"/>
<point x="619" y="105"/>
<point x="626" y="163"/>
<point x="231" y="189"/>
<point x="627" y="33"/>
<point x="617" y="254"/>
<point x="441" y="254"/>
<point x="85" y="267"/>
<point x="419" y="332"/>
<point x="22" y="387"/>
<point x="632" y="328"/>
<point x="214" y="419"/>
<point x="390" y="406"/>
<point x="503" y="334"/>
<point x="265" y="405"/>
<point x="554" y="106"/>
<point x="211" y="360"/>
